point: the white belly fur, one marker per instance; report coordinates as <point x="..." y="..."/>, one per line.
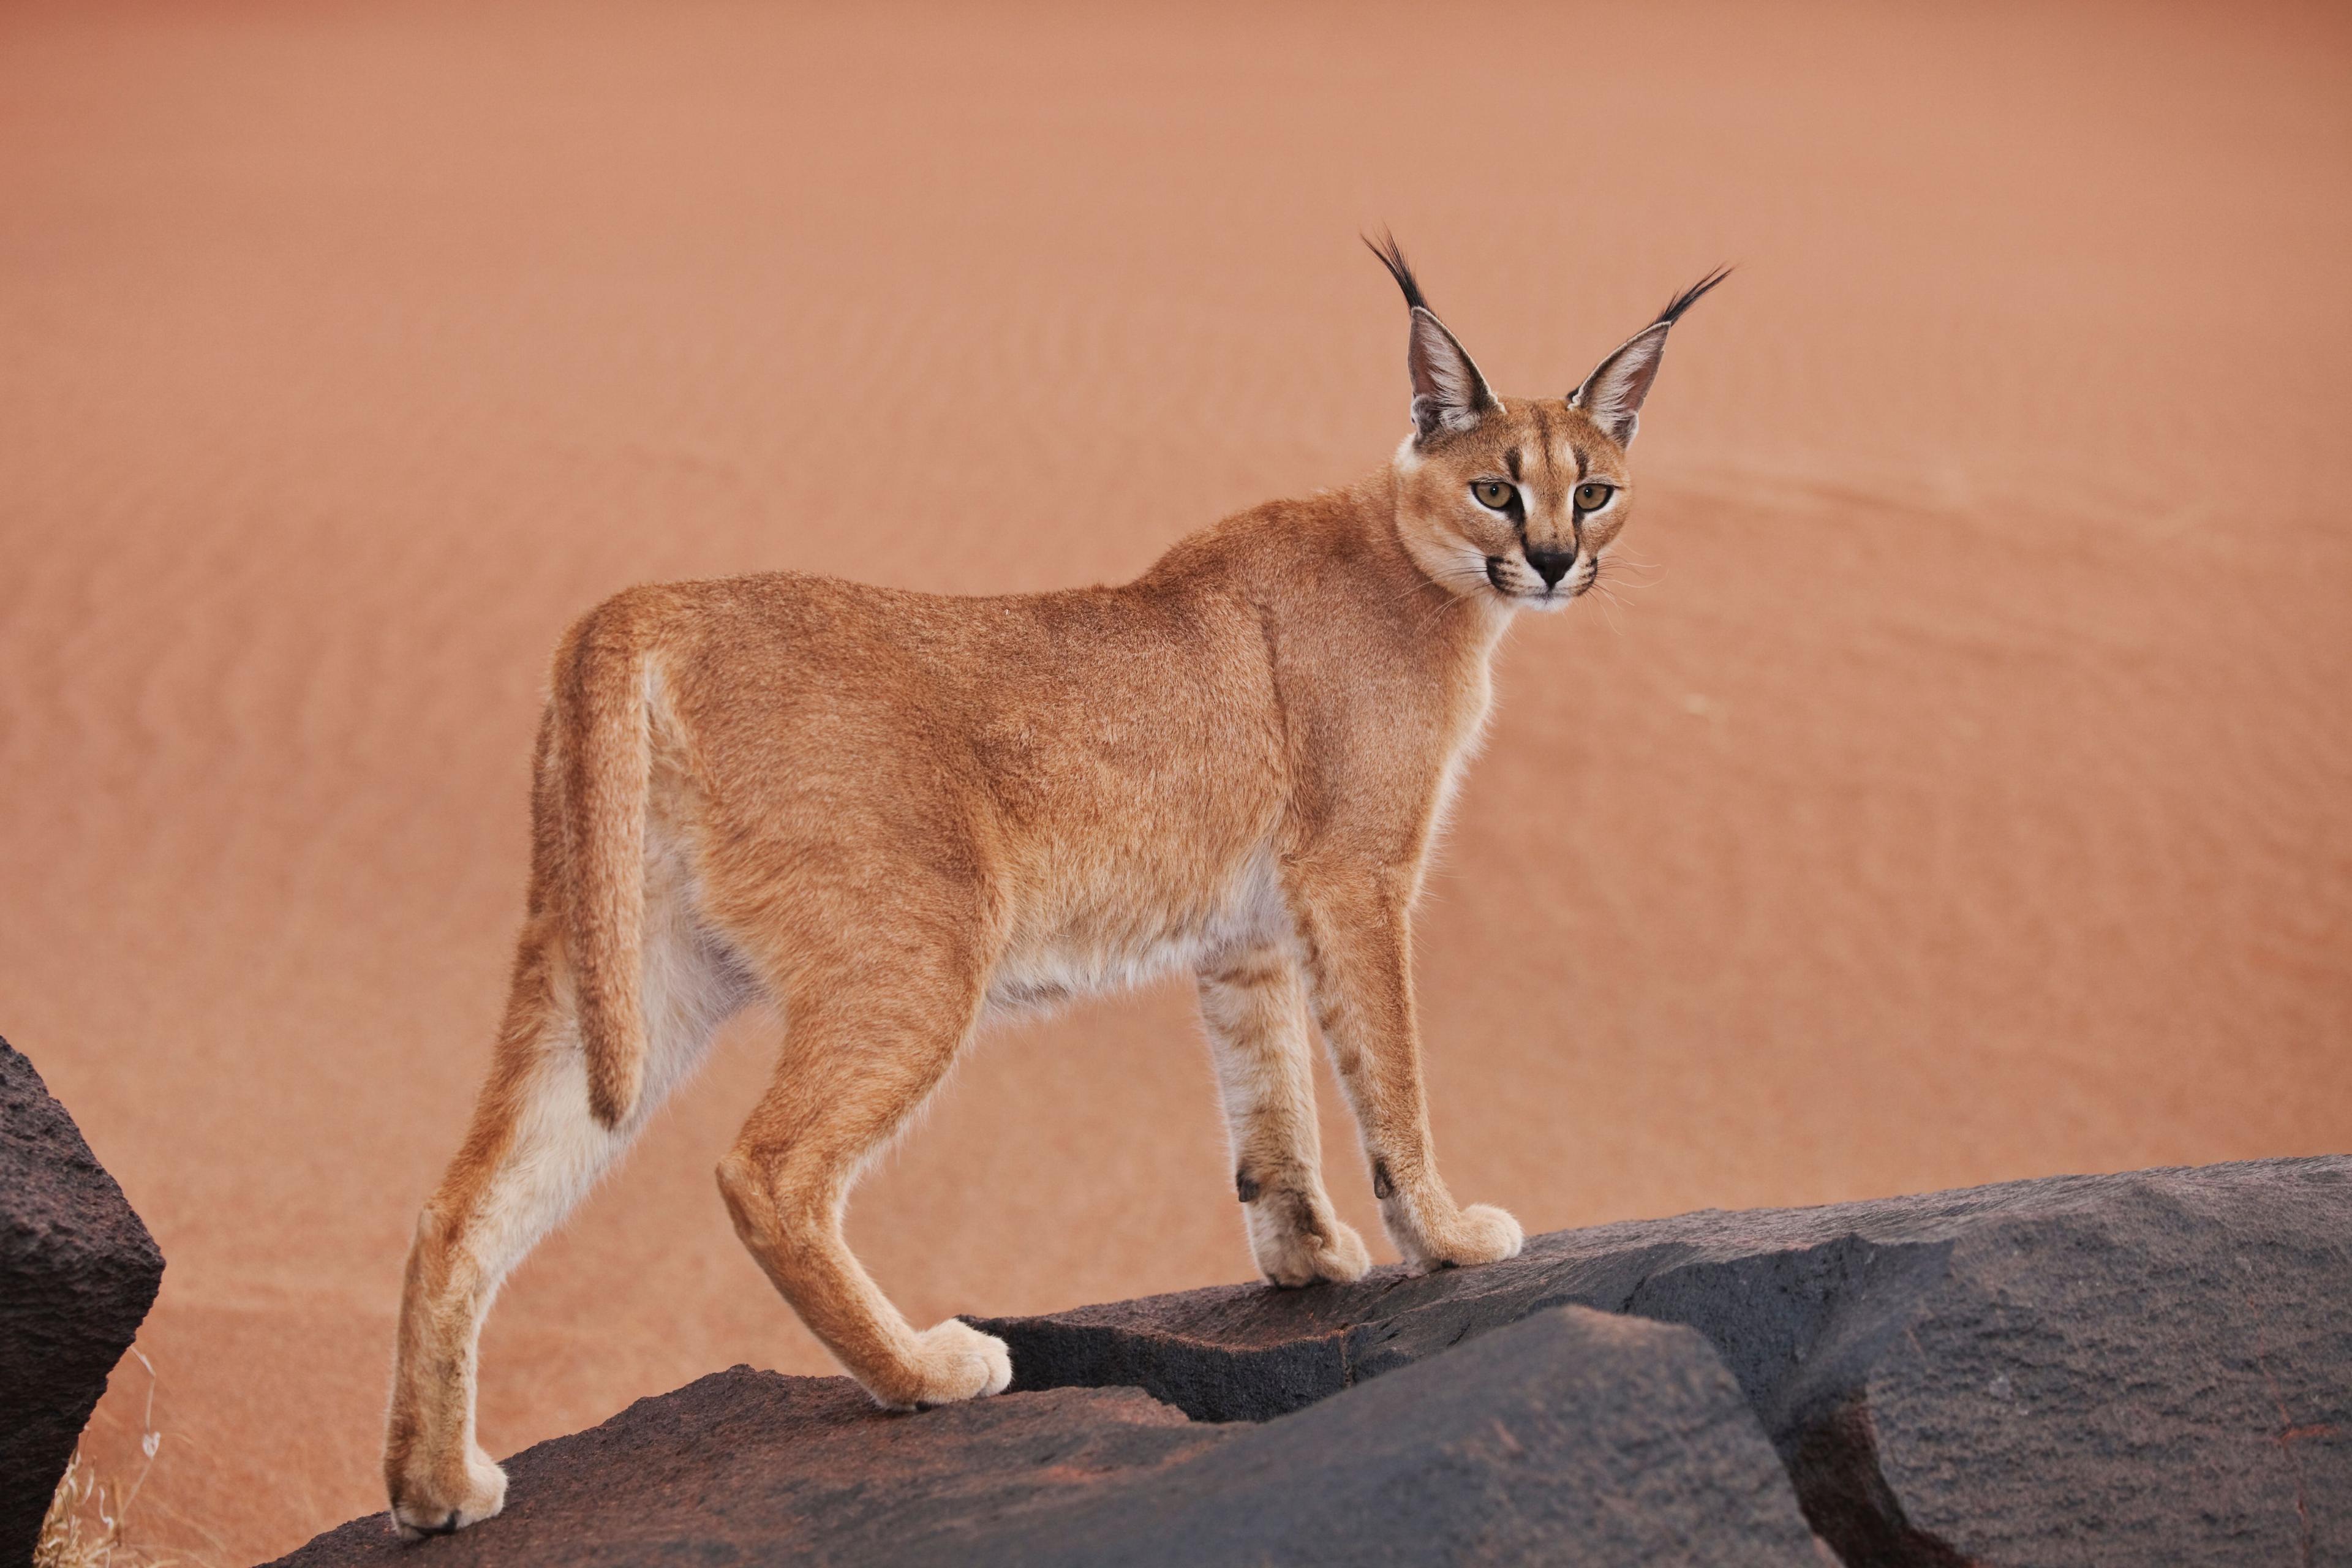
<point x="1071" y="963"/>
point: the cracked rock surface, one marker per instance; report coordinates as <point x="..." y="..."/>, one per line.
<point x="78" y="1272"/>
<point x="1570" y="1437"/>
<point x="2134" y="1369"/>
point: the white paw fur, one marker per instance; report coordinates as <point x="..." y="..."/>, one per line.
<point x="1479" y="1234"/>
<point x="1291" y="1256"/>
<point x="955" y="1362"/>
<point x="426" y="1507"/>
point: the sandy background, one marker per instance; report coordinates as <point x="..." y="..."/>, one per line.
<point x="1964" y="795"/>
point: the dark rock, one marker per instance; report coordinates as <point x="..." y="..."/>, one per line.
<point x="1571" y="1439"/>
<point x="2081" y="1370"/>
<point x="2133" y="1369"/>
<point x="78" y="1272"/>
<point x="746" y="1466"/>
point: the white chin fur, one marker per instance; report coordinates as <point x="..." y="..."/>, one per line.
<point x="1527" y="597"/>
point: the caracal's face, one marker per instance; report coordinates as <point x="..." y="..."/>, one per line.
<point x="1513" y="498"/>
<point x="1518" y="508"/>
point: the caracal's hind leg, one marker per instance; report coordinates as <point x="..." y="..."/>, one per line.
<point x="1253" y="1005"/>
<point x="534" y="1150"/>
<point x="874" y="1019"/>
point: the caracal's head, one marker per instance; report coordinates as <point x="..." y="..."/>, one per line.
<point x="1517" y="497"/>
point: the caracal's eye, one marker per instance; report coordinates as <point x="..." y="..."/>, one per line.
<point x="1593" y="497"/>
<point x="1494" y="493"/>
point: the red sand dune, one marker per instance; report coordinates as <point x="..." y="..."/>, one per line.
<point x="1963" y="794"/>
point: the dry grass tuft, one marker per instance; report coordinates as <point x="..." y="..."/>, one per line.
<point x="62" y="1543"/>
<point x="89" y="1516"/>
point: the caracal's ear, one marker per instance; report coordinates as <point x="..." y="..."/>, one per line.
<point x="1448" y="393"/>
<point x="1613" y="393"/>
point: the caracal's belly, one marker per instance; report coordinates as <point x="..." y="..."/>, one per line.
<point x="1127" y="929"/>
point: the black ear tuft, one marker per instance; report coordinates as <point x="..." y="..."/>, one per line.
<point x="1393" y="259"/>
<point x="1448" y="393"/>
<point x="1613" y="392"/>
<point x="1689" y="297"/>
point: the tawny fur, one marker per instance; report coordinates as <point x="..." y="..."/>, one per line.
<point x="891" y="813"/>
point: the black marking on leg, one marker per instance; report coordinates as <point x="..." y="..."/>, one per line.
<point x="1247" y="1186"/>
<point x="1383" y="1188"/>
<point x="447" y="1526"/>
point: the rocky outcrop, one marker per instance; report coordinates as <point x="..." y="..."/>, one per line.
<point x="78" y="1272"/>
<point x="2134" y="1369"/>
<point x="2086" y="1370"/>
<point x="1570" y="1437"/>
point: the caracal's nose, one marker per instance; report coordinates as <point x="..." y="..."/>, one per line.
<point x="1552" y="565"/>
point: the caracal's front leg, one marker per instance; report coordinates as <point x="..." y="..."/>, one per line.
<point x="1356" y="924"/>
<point x="1254" y="1007"/>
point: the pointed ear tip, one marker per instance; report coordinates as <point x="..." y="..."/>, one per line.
<point x="1629" y="365"/>
<point x="1427" y="328"/>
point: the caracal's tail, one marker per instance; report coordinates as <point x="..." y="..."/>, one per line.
<point x="603" y="747"/>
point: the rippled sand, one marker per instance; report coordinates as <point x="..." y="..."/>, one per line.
<point x="1959" y="793"/>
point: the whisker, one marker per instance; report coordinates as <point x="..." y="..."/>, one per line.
<point x="1609" y="600"/>
<point x="1648" y="571"/>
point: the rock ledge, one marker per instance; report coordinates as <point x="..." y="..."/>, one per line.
<point x="2154" y="1367"/>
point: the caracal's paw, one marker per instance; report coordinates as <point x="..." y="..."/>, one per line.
<point x="447" y="1499"/>
<point x="953" y="1362"/>
<point x="1479" y="1234"/>
<point x="1292" y="1256"/>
